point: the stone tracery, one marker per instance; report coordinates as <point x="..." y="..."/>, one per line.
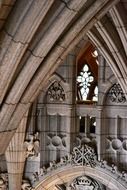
<point x="56" y="92"/>
<point x="84" y="155"/>
<point x="116" y="94"/>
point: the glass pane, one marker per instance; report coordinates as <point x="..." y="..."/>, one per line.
<point x="85" y="80"/>
<point x="85" y="68"/>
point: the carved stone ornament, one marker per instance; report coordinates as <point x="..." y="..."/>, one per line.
<point x="26" y="185"/>
<point x="3" y="181"/>
<point x="85" y="183"/>
<point x="116" y="94"/>
<point x="32" y="145"/>
<point x="56" y="92"/>
<point x="84" y="155"/>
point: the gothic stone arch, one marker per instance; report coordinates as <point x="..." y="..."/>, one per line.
<point x="69" y="173"/>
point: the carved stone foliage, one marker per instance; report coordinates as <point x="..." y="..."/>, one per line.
<point x="116" y="94"/>
<point x="56" y="92"/>
<point x="84" y="155"/>
<point x="3" y="181"/>
<point x="26" y="185"/>
<point x="32" y="145"/>
<point x="85" y="183"/>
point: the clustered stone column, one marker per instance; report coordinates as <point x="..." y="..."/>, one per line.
<point x="15" y="157"/>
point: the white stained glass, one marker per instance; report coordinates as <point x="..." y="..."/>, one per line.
<point x="85" y="75"/>
<point x="81" y="84"/>
<point x="81" y="73"/>
<point x="95" y="97"/>
<point x="85" y="84"/>
<point x="79" y="79"/>
<point x="84" y="96"/>
<point x="87" y="90"/>
<point x="91" y="79"/>
<point x="95" y="53"/>
<point x="96" y="90"/>
<point x="82" y="91"/>
<point x="85" y="68"/>
<point x="85" y="79"/>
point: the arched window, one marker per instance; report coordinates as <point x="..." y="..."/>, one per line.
<point x="86" y="85"/>
<point x="87" y="75"/>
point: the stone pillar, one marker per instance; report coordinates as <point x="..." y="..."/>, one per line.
<point x="99" y="135"/>
<point x="73" y="128"/>
<point x="15" y="156"/>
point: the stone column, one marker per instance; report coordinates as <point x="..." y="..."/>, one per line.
<point x="100" y="137"/>
<point x="73" y="129"/>
<point x="15" y="156"/>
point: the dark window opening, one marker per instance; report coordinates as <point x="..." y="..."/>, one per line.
<point x="82" y="125"/>
<point x="92" y="125"/>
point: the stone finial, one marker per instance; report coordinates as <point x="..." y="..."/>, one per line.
<point x="123" y="175"/>
<point x="113" y="169"/>
<point x="53" y="165"/>
<point x="102" y="163"/>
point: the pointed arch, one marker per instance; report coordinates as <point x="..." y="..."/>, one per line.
<point x="63" y="85"/>
<point x="69" y="173"/>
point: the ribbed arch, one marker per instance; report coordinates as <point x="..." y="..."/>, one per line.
<point x="38" y="67"/>
<point x="108" y="57"/>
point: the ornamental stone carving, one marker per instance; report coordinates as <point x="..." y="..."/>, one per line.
<point x="56" y="92"/>
<point x="116" y="144"/>
<point x="56" y="140"/>
<point x="26" y="185"/>
<point x="116" y="94"/>
<point x="84" y="155"/>
<point x="85" y="183"/>
<point x="3" y="181"/>
<point x="32" y="145"/>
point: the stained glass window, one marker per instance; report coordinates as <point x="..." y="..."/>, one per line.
<point x="85" y="79"/>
